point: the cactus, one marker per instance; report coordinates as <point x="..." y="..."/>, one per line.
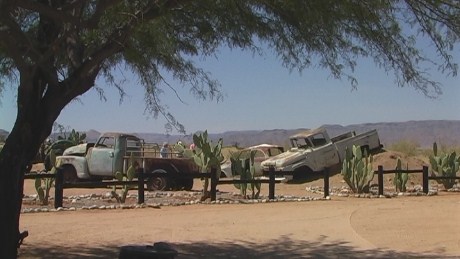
<point x="445" y="165"/>
<point x="129" y="176"/>
<point x="43" y="185"/>
<point x="207" y="156"/>
<point x="357" y="169"/>
<point x="401" y="177"/>
<point x="244" y="167"/>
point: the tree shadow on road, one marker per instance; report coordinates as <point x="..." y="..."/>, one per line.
<point x="284" y="247"/>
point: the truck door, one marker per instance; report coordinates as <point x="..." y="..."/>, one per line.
<point x="325" y="150"/>
<point x="101" y="159"/>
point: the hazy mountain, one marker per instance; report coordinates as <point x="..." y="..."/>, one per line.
<point x="424" y="133"/>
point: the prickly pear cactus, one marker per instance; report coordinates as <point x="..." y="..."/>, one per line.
<point x="244" y="167"/>
<point x="129" y="176"/>
<point x="207" y="156"/>
<point x="446" y="164"/>
<point x="44" y="185"/>
<point x="357" y="169"/>
<point x="401" y="177"/>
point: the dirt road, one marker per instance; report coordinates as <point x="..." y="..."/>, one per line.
<point x="418" y="227"/>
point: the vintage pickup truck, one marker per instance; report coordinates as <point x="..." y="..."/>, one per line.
<point x="112" y="152"/>
<point x="314" y="151"/>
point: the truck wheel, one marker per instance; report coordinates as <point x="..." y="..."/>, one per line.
<point x="70" y="174"/>
<point x="157" y="183"/>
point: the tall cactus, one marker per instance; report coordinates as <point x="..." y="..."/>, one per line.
<point x="128" y="176"/>
<point x="357" y="169"/>
<point x="446" y="164"/>
<point x="244" y="167"/>
<point x="207" y="156"/>
<point x="401" y="177"/>
<point x="44" y="185"/>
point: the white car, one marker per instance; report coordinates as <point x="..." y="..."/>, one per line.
<point x="262" y="152"/>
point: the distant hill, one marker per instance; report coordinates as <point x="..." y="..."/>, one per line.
<point x="424" y="133"/>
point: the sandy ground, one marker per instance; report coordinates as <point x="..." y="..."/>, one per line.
<point x="402" y="227"/>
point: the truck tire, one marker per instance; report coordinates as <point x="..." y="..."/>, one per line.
<point x="159" y="183"/>
<point x="70" y="174"/>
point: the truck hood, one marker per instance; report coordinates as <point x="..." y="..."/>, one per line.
<point x="289" y="157"/>
<point x="78" y="149"/>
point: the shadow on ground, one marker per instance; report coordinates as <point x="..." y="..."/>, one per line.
<point x="283" y="247"/>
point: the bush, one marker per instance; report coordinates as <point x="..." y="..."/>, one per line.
<point x="408" y="147"/>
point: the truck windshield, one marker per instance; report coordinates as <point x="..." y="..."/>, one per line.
<point x="300" y="143"/>
<point x="318" y="140"/>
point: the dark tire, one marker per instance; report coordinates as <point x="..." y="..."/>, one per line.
<point x="69" y="174"/>
<point x="159" y="183"/>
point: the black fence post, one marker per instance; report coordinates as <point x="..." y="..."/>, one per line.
<point x="425" y="179"/>
<point x="140" y="188"/>
<point x="271" y="184"/>
<point x="58" y="188"/>
<point x="326" y="182"/>
<point x="380" y="179"/>
<point x="213" y="183"/>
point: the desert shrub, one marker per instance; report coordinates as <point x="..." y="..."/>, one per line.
<point x="408" y="147"/>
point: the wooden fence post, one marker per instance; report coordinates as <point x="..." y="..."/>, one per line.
<point x="58" y="188"/>
<point x="140" y="188"/>
<point x="380" y="179"/>
<point x="326" y="182"/>
<point x="213" y="183"/>
<point x="271" y="184"/>
<point x="425" y="179"/>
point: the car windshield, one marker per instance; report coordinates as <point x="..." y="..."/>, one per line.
<point x="275" y="151"/>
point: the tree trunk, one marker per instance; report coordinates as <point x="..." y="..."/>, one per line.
<point x="33" y="125"/>
<point x="13" y="165"/>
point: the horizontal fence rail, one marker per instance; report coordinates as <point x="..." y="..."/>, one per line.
<point x="271" y="173"/>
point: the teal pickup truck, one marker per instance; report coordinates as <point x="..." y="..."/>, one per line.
<point x="112" y="153"/>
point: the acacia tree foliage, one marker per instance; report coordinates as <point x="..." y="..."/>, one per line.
<point x="52" y="51"/>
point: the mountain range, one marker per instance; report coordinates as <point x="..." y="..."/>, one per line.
<point x="424" y="133"/>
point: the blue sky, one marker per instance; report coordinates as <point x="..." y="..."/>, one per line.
<point x="260" y="94"/>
